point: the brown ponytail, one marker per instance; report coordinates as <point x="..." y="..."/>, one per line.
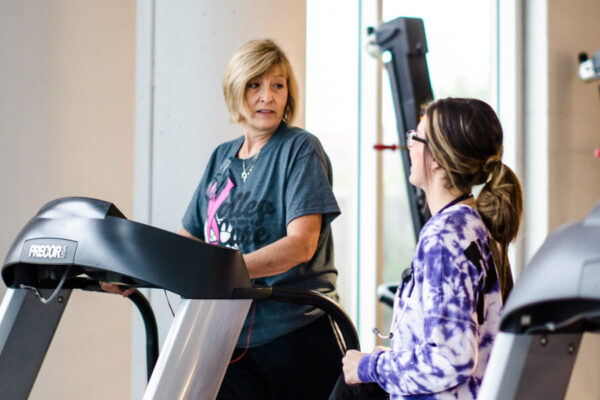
<point x="465" y="139"/>
<point x="500" y="204"/>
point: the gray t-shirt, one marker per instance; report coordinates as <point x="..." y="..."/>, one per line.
<point x="291" y="177"/>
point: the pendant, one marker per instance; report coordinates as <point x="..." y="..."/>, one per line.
<point x="245" y="172"/>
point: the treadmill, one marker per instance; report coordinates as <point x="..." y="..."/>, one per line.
<point x="555" y="300"/>
<point x="402" y="45"/>
<point x="75" y="242"/>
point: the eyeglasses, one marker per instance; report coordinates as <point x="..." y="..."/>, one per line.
<point x="411" y="137"/>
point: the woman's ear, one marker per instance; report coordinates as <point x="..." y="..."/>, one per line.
<point x="437" y="170"/>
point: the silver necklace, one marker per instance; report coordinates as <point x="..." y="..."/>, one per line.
<point x="245" y="172"/>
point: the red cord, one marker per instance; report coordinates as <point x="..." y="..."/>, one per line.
<point x="247" y="340"/>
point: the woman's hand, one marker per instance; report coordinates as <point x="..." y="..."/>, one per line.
<point x="116" y="289"/>
<point x="350" y="367"/>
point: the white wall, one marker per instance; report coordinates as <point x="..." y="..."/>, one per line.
<point x="535" y="174"/>
<point x="66" y="128"/>
<point x="333" y="90"/>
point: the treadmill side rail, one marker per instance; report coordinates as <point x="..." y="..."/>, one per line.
<point x="530" y="367"/>
<point x="27" y="327"/>
<point x="197" y="350"/>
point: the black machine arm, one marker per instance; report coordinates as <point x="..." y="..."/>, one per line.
<point x="316" y="299"/>
<point x="310" y="297"/>
<point x="145" y="310"/>
<point x="403" y="44"/>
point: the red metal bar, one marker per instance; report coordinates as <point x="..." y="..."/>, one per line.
<point x="393" y="147"/>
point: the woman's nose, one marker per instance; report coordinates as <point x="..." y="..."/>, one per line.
<point x="266" y="94"/>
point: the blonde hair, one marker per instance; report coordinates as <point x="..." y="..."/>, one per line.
<point x="465" y="139"/>
<point x="253" y="60"/>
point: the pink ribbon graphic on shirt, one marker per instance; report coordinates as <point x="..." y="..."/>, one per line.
<point x="213" y="205"/>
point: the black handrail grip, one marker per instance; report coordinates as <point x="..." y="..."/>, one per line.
<point x="319" y="300"/>
<point x="145" y="309"/>
<point x="307" y="297"/>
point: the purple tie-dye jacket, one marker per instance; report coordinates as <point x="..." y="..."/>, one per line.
<point x="445" y="318"/>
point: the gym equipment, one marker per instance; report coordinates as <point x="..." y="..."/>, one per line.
<point x="555" y="300"/>
<point x="403" y="46"/>
<point x="75" y="242"/>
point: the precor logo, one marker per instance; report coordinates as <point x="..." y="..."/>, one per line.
<point x="50" y="251"/>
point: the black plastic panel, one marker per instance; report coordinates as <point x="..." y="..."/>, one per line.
<point x="111" y="248"/>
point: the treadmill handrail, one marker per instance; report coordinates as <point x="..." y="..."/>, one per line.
<point x="308" y="297"/>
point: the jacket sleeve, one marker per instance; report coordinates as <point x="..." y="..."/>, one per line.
<point x="443" y="351"/>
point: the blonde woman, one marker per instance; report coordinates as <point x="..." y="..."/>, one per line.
<point x="268" y="193"/>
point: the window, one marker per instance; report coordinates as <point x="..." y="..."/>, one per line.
<point x="342" y="87"/>
<point x="461" y="38"/>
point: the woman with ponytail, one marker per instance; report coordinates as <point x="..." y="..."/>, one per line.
<point x="447" y="315"/>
